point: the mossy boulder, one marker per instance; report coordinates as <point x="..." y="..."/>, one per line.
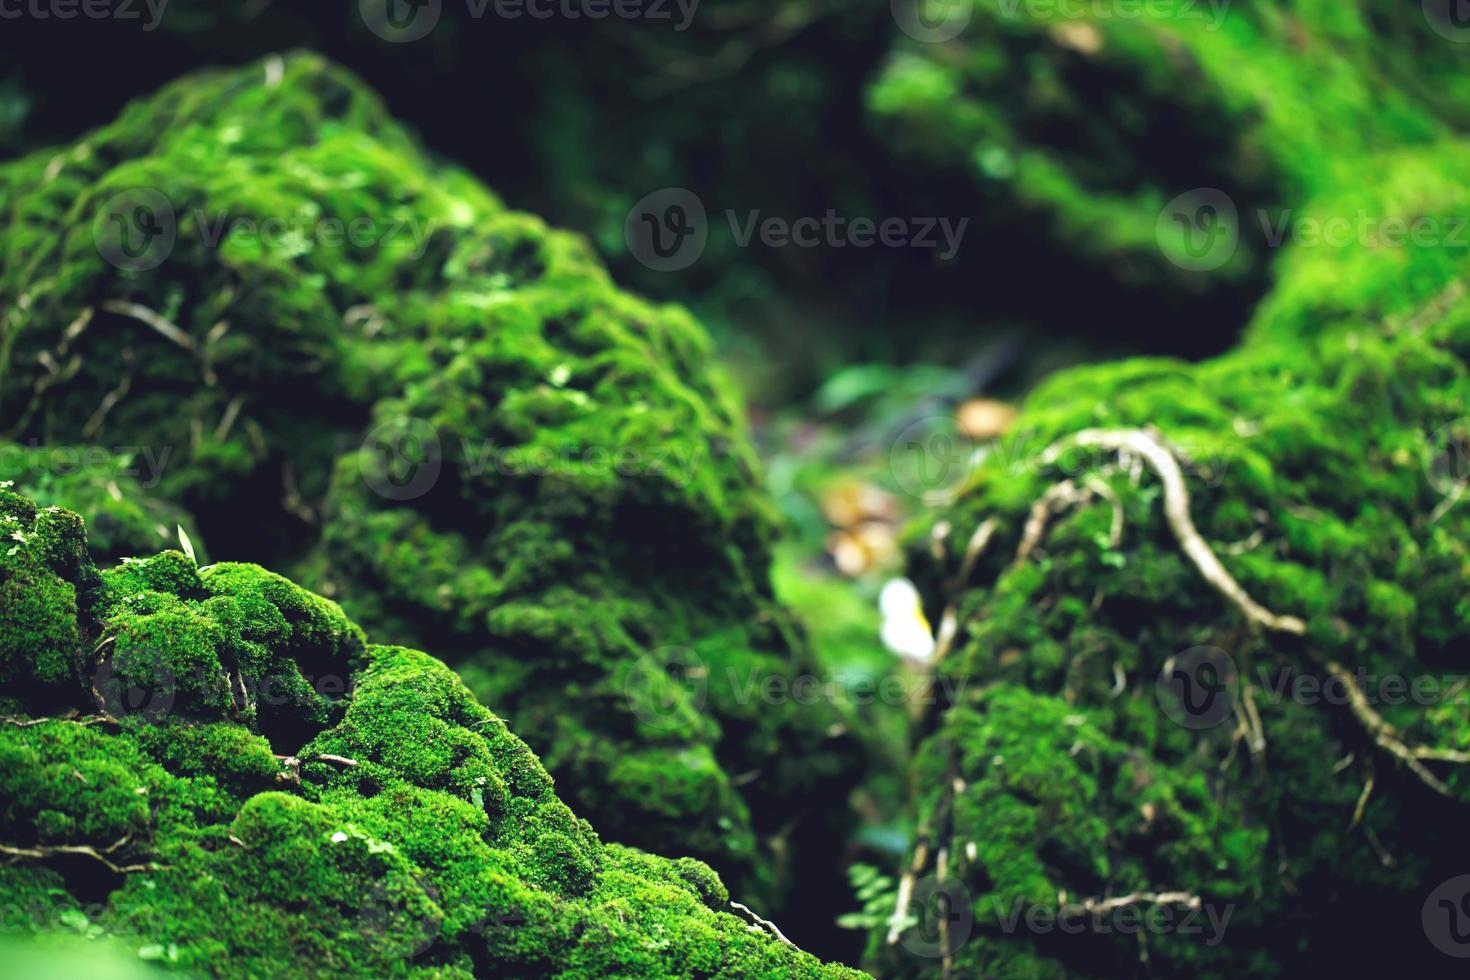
<point x="233" y="811"/>
<point x="1214" y="653"/>
<point x="367" y="372"/>
<point x="1091" y="117"/>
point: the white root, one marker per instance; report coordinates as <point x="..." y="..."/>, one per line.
<point x="1148" y="447"/>
<point x="152" y="320"/>
<point x="1387" y="737"/>
<point x="1057" y="498"/>
<point x="1096" y="905"/>
<point x="766" y="924"/>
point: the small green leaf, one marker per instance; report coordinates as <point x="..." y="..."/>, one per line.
<point x="187" y="545"/>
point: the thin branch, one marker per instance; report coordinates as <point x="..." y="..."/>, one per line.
<point x="979" y="541"/>
<point x="1100" y="487"/>
<point x="762" y="923"/>
<point x="1095" y="905"/>
<point x="1057" y="498"/>
<point x="1362" y="800"/>
<point x="1387" y="737"/>
<point x="41" y="852"/>
<point x="1148" y="447"/>
<point x="152" y="320"/>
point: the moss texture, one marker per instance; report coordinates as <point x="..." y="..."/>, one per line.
<point x="1092" y="116"/>
<point x="177" y="760"/>
<point x="1325" y="458"/>
<point x="449" y="418"/>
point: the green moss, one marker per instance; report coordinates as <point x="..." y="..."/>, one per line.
<point x="42" y="565"/>
<point x="588" y="498"/>
<point x="127" y="518"/>
<point x="1323" y="456"/>
<point x="413" y="834"/>
<point x="1091" y="117"/>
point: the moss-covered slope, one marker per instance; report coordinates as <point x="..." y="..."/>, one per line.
<point x="215" y="763"/>
<point x="1217" y="644"/>
<point x="367" y="372"/>
<point x="1090" y="117"/>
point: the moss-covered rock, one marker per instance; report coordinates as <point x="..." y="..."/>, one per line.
<point x="365" y="371"/>
<point x="1215" y="651"/>
<point x="1091" y="116"/>
<point x="245" y="817"/>
<point x="127" y="517"/>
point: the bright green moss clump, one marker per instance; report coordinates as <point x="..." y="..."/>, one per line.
<point x="352" y="363"/>
<point x="1090" y="117"/>
<point x="1325" y="463"/>
<point x="264" y="794"/>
